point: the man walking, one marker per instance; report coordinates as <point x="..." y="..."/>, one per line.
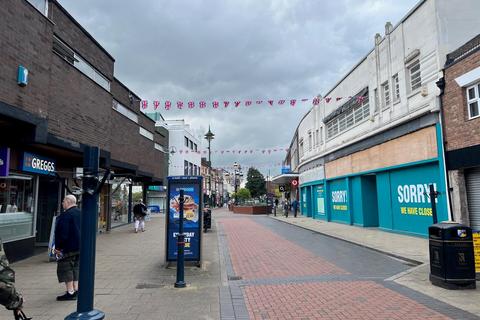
<point x="139" y="212"/>
<point x="9" y="297"/>
<point x="67" y="247"/>
<point x="295" y="207"/>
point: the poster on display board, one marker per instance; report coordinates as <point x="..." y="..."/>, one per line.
<point x="192" y="219"/>
<point x="476" y="248"/>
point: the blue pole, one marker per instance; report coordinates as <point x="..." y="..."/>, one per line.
<point x="180" y="283"/>
<point x="88" y="239"/>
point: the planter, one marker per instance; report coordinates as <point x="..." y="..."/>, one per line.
<point x="250" y="209"/>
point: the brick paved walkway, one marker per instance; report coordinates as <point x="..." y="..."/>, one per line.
<point x="257" y="252"/>
<point x="275" y="278"/>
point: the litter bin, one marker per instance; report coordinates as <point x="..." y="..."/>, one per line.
<point x="452" y="264"/>
<point x="207" y="219"/>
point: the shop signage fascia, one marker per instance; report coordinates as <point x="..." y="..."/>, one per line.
<point x="38" y="164"/>
<point x="4" y="161"/>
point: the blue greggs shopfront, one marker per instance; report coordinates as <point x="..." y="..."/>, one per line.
<point x="393" y="197"/>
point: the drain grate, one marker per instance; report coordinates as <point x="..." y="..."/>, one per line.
<point x="234" y="278"/>
<point x="150" y="286"/>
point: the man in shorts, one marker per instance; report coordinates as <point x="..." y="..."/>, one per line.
<point x="67" y="247"/>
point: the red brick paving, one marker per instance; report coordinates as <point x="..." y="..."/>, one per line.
<point x="256" y="252"/>
<point x="350" y="300"/>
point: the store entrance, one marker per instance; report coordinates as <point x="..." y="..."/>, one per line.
<point x="48" y="206"/>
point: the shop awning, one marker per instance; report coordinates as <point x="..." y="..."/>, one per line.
<point x="284" y="178"/>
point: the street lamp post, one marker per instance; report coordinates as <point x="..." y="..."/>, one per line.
<point x="236" y="174"/>
<point x="209" y="137"/>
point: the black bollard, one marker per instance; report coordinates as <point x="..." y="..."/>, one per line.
<point x="180" y="283"/>
<point x="433" y="196"/>
<point x="89" y="225"/>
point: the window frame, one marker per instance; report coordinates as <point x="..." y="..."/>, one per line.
<point x="476" y="99"/>
<point x="386" y="97"/>
<point x="396" y="87"/>
<point x="412" y="75"/>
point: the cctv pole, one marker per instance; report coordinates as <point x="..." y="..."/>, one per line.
<point x="89" y="225"/>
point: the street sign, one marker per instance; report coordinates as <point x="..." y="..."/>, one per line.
<point x="281" y="188"/>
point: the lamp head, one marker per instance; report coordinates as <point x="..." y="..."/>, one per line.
<point x="209" y="135"/>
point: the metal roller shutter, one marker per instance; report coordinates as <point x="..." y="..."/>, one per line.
<point x="473" y="197"/>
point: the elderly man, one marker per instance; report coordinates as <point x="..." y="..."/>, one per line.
<point x="67" y="247"/>
<point x="9" y="297"/>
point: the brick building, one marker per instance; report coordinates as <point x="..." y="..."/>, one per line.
<point x="58" y="94"/>
<point x="461" y="111"/>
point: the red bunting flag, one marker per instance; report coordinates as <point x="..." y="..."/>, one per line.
<point x="248" y="103"/>
<point x="281" y="102"/>
<point x="156" y="104"/>
<point x="259" y="101"/>
<point x="168" y="105"/>
<point x="215" y="104"/>
<point x="191" y="104"/>
<point x="328" y="99"/>
<point x="292" y="102"/>
<point x="305" y="100"/>
<point x="316" y="101"/>
<point x="338" y="98"/>
<point x="179" y="104"/>
<point x="144" y="104"/>
<point x="203" y="104"/>
<point x="237" y="103"/>
<point x="226" y="103"/>
<point x="270" y="102"/>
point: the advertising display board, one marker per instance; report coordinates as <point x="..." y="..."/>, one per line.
<point x="339" y="201"/>
<point x="476" y="248"/>
<point x="319" y="194"/>
<point x="192" y="224"/>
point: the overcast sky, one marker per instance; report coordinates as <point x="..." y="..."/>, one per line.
<point x="236" y="50"/>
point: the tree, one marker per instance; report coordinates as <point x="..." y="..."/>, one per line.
<point x="243" y="194"/>
<point x="255" y="183"/>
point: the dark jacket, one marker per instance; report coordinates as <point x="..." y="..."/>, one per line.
<point x="9" y="297"/>
<point x="140" y="210"/>
<point x="67" y="231"/>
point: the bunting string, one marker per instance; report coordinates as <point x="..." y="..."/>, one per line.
<point x="156" y="105"/>
<point x="235" y="151"/>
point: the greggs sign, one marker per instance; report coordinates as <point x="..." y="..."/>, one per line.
<point x="38" y="164"/>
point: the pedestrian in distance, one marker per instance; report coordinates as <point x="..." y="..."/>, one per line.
<point x="295" y="207"/>
<point x="9" y="297"/>
<point x="67" y="247"/>
<point x="139" y="213"/>
<point x="275" y="207"/>
<point x="286" y="207"/>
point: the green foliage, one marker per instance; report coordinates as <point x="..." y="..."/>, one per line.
<point x="243" y="194"/>
<point x="136" y="196"/>
<point x="255" y="183"/>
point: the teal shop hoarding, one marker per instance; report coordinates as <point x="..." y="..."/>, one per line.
<point x="306" y="199"/>
<point x="403" y="200"/>
<point x="339" y="203"/>
<point x="319" y="202"/>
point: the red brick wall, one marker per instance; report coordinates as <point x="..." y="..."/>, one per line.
<point x="459" y="131"/>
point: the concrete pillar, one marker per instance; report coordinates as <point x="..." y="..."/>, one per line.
<point x="458" y="194"/>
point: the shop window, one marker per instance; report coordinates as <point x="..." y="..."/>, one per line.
<point x="119" y="196"/>
<point x="17" y="205"/>
<point x="473" y="101"/>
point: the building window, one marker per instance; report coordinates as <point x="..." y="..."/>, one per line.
<point x="473" y="101"/>
<point x="195" y="148"/>
<point x="191" y="145"/>
<point x="309" y="140"/>
<point x="186" y="142"/>
<point x="348" y="118"/>
<point x="414" y="75"/>
<point x="17" y="203"/>
<point x="321" y="135"/>
<point x="386" y="94"/>
<point x="317" y="135"/>
<point x="117" y="106"/>
<point x="301" y="148"/>
<point x="67" y="53"/>
<point x="396" y="88"/>
<point x="40" y="5"/>
<point x="185" y="167"/>
<point x="147" y="134"/>
<point x="377" y="101"/>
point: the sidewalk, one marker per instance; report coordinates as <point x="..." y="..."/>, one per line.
<point x="131" y="280"/>
<point x="413" y="250"/>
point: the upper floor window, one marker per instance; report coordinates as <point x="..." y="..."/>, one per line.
<point x="301" y="148"/>
<point x="186" y="142"/>
<point x="414" y="75"/>
<point x="386" y="94"/>
<point x="191" y="145"/>
<point x="69" y="55"/>
<point x="396" y="88"/>
<point x="310" y="140"/>
<point x="195" y="147"/>
<point x="317" y="142"/>
<point x="473" y="101"/>
<point x="40" y="5"/>
<point x="120" y="108"/>
<point x="349" y="118"/>
<point x="377" y="101"/>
